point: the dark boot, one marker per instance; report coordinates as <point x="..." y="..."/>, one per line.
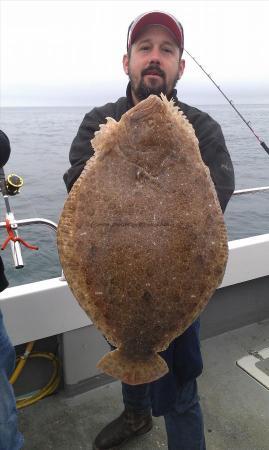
<point x="126" y="426"/>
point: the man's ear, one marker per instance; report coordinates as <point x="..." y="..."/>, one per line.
<point x="181" y="68"/>
<point x="125" y="63"/>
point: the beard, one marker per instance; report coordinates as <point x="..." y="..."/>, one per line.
<point x="143" y="91"/>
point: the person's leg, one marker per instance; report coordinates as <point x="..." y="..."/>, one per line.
<point x="10" y="437"/>
<point x="135" y="420"/>
<point x="184" y="423"/>
<point x="137" y="397"/>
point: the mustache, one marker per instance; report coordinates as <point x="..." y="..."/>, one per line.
<point x="153" y="68"/>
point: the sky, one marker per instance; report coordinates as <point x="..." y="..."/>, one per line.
<point x="69" y="52"/>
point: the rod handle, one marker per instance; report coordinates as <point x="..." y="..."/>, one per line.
<point x="16" y="254"/>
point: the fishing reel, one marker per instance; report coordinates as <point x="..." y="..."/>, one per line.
<point x="13" y="184"/>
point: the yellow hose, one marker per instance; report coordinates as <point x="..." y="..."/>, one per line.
<point x="22" y="361"/>
<point x="50" y="387"/>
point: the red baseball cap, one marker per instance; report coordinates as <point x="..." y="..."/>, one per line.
<point x="156" y="18"/>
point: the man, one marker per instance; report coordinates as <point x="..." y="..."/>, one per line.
<point x="10" y="437"/>
<point x="154" y="64"/>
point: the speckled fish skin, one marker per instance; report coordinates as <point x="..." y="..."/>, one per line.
<point x="141" y="238"/>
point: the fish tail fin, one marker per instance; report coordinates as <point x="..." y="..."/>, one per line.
<point x="139" y="371"/>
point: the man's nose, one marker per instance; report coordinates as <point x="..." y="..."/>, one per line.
<point x="155" y="56"/>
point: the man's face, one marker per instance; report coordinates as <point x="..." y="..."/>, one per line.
<point x="154" y="65"/>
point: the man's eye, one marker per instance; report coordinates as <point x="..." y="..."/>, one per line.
<point x="167" y="50"/>
<point x="144" y="48"/>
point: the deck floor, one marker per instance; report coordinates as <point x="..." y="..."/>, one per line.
<point x="235" y="406"/>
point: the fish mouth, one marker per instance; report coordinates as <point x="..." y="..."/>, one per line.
<point x="145" y="109"/>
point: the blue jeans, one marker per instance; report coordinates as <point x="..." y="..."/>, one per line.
<point x="184" y="422"/>
<point x="10" y="437"/>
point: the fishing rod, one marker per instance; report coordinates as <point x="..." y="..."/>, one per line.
<point x="262" y="143"/>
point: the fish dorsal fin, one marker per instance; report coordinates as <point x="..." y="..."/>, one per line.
<point x="103" y="137"/>
<point x="178" y="114"/>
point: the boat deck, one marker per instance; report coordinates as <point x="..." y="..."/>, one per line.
<point x="235" y="405"/>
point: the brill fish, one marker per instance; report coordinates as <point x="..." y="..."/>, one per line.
<point x="141" y="237"/>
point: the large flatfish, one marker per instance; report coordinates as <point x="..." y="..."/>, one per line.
<point x="141" y="237"/>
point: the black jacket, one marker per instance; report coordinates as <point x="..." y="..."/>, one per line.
<point x="183" y="355"/>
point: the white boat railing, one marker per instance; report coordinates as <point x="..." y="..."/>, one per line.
<point x="15" y="244"/>
<point x="251" y="190"/>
